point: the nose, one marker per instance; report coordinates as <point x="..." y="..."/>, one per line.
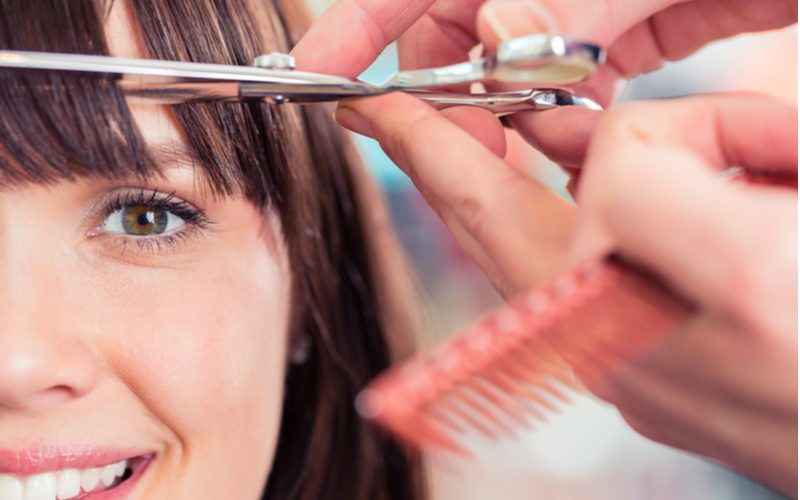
<point x="36" y="371"/>
<point x="43" y="361"/>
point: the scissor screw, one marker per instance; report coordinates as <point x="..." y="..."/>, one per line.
<point x="274" y="60"/>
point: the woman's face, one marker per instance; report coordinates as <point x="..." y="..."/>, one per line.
<point x="139" y="320"/>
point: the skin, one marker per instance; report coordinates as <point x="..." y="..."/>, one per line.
<point x="179" y="350"/>
<point x="729" y="248"/>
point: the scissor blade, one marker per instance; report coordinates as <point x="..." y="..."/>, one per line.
<point x="176" y="81"/>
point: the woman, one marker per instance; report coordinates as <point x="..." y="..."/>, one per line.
<point x="189" y="301"/>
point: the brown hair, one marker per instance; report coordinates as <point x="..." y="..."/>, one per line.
<point x="291" y="160"/>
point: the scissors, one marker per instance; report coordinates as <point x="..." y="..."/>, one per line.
<point x="546" y="62"/>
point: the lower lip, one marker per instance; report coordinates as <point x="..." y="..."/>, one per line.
<point x="124" y="489"/>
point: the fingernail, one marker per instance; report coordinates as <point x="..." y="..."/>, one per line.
<point x="351" y="119"/>
<point x="513" y="18"/>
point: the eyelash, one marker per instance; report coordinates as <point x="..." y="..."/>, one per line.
<point x="195" y="220"/>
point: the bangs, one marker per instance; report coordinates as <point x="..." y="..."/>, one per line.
<point x="63" y="126"/>
<point x="59" y="125"/>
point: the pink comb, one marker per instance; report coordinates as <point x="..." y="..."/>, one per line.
<point x="515" y="363"/>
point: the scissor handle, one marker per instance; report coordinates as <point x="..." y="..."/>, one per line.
<point x="506" y="103"/>
<point x="539" y="60"/>
<point x="545" y="59"/>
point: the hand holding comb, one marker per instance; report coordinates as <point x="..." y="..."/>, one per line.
<point x="514" y="365"/>
<point x="506" y="370"/>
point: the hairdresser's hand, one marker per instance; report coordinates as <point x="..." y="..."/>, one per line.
<point x="725" y="385"/>
<point x="468" y="177"/>
<point x="488" y="206"/>
<point x="639" y="35"/>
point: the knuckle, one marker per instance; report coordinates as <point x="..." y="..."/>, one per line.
<point x="471" y="210"/>
<point x="376" y="34"/>
<point x="749" y="286"/>
<point x="629" y="122"/>
<point x="480" y="205"/>
<point x="402" y="140"/>
<point x="608" y="166"/>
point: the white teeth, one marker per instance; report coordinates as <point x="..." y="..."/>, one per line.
<point x="108" y="474"/>
<point x="40" y="487"/>
<point x="90" y="478"/>
<point x="121" y="466"/>
<point x="68" y="484"/>
<point x="61" y="485"/>
<point x="10" y="487"/>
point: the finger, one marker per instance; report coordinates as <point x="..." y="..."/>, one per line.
<point x="561" y="134"/>
<point x="683" y="28"/>
<point x="674" y="28"/>
<point x="480" y="124"/>
<point x="639" y="37"/>
<point x="650" y="189"/>
<point x="352" y="33"/>
<point x="679" y="395"/>
<point x="520" y="225"/>
<point x="444" y="35"/>
<point x="736" y="129"/>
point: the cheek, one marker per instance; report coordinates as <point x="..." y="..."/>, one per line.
<point x="203" y="347"/>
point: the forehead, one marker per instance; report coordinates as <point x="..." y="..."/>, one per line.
<point x="123" y="38"/>
<point x="157" y="124"/>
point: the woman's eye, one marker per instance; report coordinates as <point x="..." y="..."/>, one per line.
<point x="141" y="220"/>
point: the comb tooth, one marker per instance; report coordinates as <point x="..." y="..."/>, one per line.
<point x="429" y="433"/>
<point x="532" y="378"/>
<point x="467" y="395"/>
<point x="504" y="327"/>
<point x="529" y="361"/>
<point x="482" y="346"/>
<point x="513" y="388"/>
<point x="502" y="401"/>
<point x="386" y="404"/>
<point x="527" y="350"/>
<point x="469" y="418"/>
<point x="459" y="363"/>
<point x="542" y="379"/>
<point x="437" y="412"/>
<point x="527" y="399"/>
<point x="533" y="382"/>
<point x="423" y="432"/>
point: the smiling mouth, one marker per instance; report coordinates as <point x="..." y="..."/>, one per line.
<point x="89" y="483"/>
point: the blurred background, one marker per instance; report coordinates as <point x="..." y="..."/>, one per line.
<point x="588" y="452"/>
